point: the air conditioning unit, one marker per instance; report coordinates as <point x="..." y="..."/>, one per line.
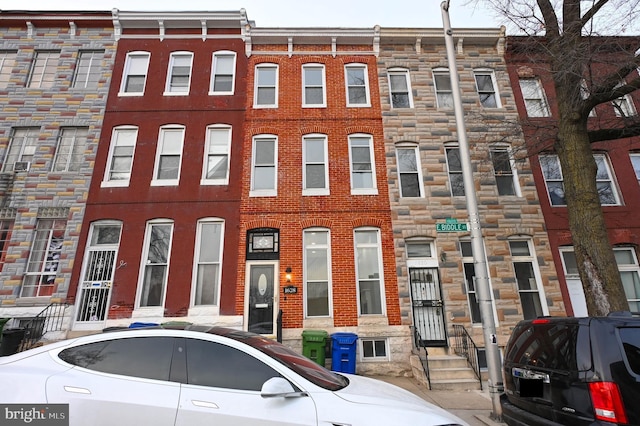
<point x="21" y="166"/>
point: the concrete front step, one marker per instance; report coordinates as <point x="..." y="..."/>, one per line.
<point x="446" y="372"/>
<point x="455" y="384"/>
<point x="465" y="373"/>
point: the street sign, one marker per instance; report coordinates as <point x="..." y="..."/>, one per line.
<point x="452" y="225"/>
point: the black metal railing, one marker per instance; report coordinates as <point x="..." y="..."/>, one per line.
<point x="419" y="344"/>
<point x="50" y="318"/>
<point x="466" y="347"/>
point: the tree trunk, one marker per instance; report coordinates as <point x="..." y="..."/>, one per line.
<point x="598" y="269"/>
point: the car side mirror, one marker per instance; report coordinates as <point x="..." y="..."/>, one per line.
<point x="277" y="387"/>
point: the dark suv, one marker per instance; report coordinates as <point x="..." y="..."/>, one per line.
<point x="573" y="371"/>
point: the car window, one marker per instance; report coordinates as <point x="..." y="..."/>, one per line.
<point x="630" y="338"/>
<point x="551" y="346"/>
<point x="217" y="365"/>
<point x="145" y="357"/>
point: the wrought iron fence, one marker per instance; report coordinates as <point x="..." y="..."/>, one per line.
<point x="50" y="318"/>
<point x="466" y="347"/>
<point x="419" y="344"/>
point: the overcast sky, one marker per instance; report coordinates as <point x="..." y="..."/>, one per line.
<point x="296" y="13"/>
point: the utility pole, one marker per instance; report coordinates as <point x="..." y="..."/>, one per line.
<point x="483" y="289"/>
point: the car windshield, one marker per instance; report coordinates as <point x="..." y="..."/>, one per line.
<point x="308" y="369"/>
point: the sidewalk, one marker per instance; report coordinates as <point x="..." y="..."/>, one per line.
<point x="474" y="407"/>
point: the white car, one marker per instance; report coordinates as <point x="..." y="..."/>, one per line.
<point x="201" y="375"/>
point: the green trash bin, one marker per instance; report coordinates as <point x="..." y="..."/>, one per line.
<point x="314" y="344"/>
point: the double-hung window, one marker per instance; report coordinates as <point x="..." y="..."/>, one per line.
<point x="534" y="99"/>
<point x="504" y="171"/>
<point x="470" y="281"/>
<point x="357" y="80"/>
<point x="315" y="176"/>
<point x="88" y="69"/>
<point x="217" y="154"/>
<point x="623" y="106"/>
<point x="400" y="88"/>
<point x="134" y="76"/>
<point x="6" y="225"/>
<point x="369" y="271"/>
<point x="44" y="259"/>
<point x="223" y="71"/>
<point x="486" y="86"/>
<point x="527" y="279"/>
<point x="266" y="86"/>
<point x="264" y="166"/>
<point x="22" y="147"/>
<point x="7" y="61"/>
<point x="313" y="86"/>
<point x="409" y="171"/>
<point x="635" y="162"/>
<point x="120" y="161"/>
<point x="168" y="156"/>
<point x="454" y="165"/>
<point x="179" y="73"/>
<point x="155" y="264"/>
<point x="317" y="272"/>
<point x="43" y="70"/>
<point x="208" y="265"/>
<point x="552" y="172"/>
<point x="363" y="172"/>
<point x="72" y="143"/>
<point x="444" y="92"/>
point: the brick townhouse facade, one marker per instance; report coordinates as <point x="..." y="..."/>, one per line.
<point x="55" y="71"/>
<point x="435" y="269"/>
<point x="160" y="234"/>
<point x="618" y="161"/>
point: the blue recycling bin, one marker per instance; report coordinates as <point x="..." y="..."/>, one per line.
<point x="343" y="352"/>
<point x="143" y="324"/>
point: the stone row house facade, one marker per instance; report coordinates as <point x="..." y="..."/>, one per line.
<point x="263" y="178"/>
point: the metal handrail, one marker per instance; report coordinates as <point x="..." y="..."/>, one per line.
<point x="465" y="346"/>
<point x="417" y="340"/>
<point x="50" y="318"/>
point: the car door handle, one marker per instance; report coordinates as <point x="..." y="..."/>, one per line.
<point x="204" y="404"/>
<point x="73" y="389"/>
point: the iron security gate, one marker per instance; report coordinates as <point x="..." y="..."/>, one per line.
<point x="96" y="286"/>
<point x="428" y="309"/>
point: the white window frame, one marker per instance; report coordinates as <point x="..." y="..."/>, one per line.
<point x="467" y="260"/>
<point x="307" y="280"/>
<point x="404" y="73"/>
<point x="216" y="150"/>
<point x="258" y="86"/>
<point x="635" y="162"/>
<point x="107" y="180"/>
<point x="145" y="262"/>
<point x="573" y="282"/>
<point x="169" y="88"/>
<point x="88" y="69"/>
<point x="629" y="268"/>
<point x="444" y="95"/>
<point x="512" y="173"/>
<point x="487" y="72"/>
<point x="454" y="187"/>
<point x="264" y="192"/>
<point x="533" y="261"/>
<point x="7" y="62"/>
<point x="43" y="70"/>
<point x="418" y="172"/>
<point x="373" y="189"/>
<point x="602" y="161"/>
<point x="127" y="72"/>
<point x="44" y="263"/>
<point x="216" y="72"/>
<point x="556" y="181"/>
<point x="623" y="106"/>
<point x="359" y="281"/>
<point x="373" y="340"/>
<point x="198" y="261"/>
<point x="22" y="147"/>
<point x="362" y="85"/>
<point x="163" y="150"/>
<point x="305" y="86"/>
<point x="324" y="162"/>
<point x="72" y="143"/>
<point x="535" y="99"/>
